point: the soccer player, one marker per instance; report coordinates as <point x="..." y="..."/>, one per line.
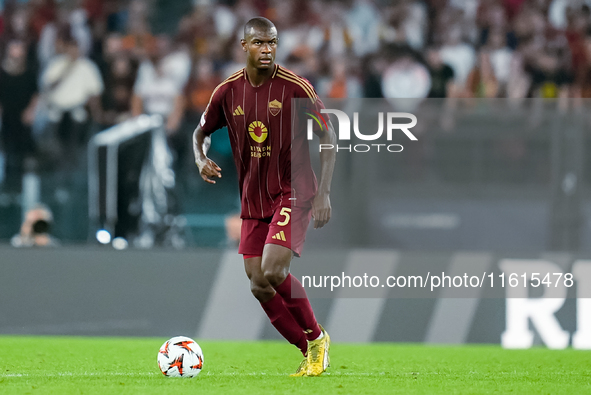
<point x="255" y="104"/>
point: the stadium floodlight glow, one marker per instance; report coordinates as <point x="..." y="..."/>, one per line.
<point x="103" y="236"/>
<point x="119" y="243"/>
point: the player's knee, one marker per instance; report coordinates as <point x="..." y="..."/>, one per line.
<point x="261" y="293"/>
<point x="275" y="276"/>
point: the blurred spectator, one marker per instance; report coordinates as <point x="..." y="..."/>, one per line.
<point x="18" y="100"/>
<point x="469" y="8"/>
<point x="1" y="24"/>
<point x="519" y="81"/>
<point x="550" y="79"/>
<point x="585" y="84"/>
<point x="546" y="55"/>
<point x="578" y="25"/>
<point x="198" y="30"/>
<point x="18" y="24"/>
<point x="406" y="77"/>
<point x="373" y="67"/>
<point x="363" y="23"/>
<point x="500" y="56"/>
<point x="513" y="7"/>
<point x="35" y="230"/>
<point x="458" y="55"/>
<point x="236" y="63"/>
<point x="119" y="73"/>
<point x="490" y="75"/>
<point x="492" y="17"/>
<point x="160" y="82"/>
<point x="338" y="39"/>
<point x="116" y="99"/>
<point x="406" y="23"/>
<point x="159" y="88"/>
<point x="115" y="15"/>
<point x="18" y="27"/>
<point x="138" y="39"/>
<point x="225" y="19"/>
<point x="71" y="20"/>
<point x="442" y="75"/>
<point x="303" y="32"/>
<point x="481" y="81"/>
<point x="198" y="92"/>
<point x="43" y="12"/>
<point x="341" y="84"/>
<point x="558" y="11"/>
<point x="69" y="83"/>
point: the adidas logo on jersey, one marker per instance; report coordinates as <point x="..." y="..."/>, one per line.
<point x="279" y="236"/>
<point x="238" y="111"/>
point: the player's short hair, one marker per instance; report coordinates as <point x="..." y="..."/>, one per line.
<point x="258" y="23"/>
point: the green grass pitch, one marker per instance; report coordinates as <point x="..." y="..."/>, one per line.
<point x="76" y="365"/>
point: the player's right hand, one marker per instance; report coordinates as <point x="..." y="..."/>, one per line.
<point x="209" y="169"/>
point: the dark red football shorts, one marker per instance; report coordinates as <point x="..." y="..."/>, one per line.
<point x="286" y="228"/>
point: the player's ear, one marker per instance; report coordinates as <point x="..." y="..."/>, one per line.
<point x="243" y="43"/>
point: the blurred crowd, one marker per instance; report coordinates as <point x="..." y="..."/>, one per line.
<point x="71" y="68"/>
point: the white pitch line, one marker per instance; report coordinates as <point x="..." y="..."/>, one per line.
<point x="234" y="374"/>
<point x="72" y="374"/>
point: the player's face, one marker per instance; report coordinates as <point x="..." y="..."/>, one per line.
<point x="260" y="45"/>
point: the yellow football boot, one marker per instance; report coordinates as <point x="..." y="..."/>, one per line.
<point x="318" y="358"/>
<point x="302" y="369"/>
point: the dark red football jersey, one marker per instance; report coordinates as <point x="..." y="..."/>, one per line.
<point x="265" y="146"/>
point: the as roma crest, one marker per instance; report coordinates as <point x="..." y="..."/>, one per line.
<point x="274" y="107"/>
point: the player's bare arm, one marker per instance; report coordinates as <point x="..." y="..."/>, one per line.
<point x="321" y="209"/>
<point x="207" y="168"/>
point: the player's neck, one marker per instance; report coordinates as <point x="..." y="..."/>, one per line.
<point x="258" y="77"/>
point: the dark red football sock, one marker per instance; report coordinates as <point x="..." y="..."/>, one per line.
<point x="284" y="322"/>
<point x="295" y="299"/>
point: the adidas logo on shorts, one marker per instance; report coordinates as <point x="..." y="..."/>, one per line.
<point x="279" y="236"/>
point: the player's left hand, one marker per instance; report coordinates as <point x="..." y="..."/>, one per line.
<point x="321" y="210"/>
<point x="209" y="169"/>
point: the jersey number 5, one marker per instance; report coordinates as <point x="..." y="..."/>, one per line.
<point x="285" y="212"/>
